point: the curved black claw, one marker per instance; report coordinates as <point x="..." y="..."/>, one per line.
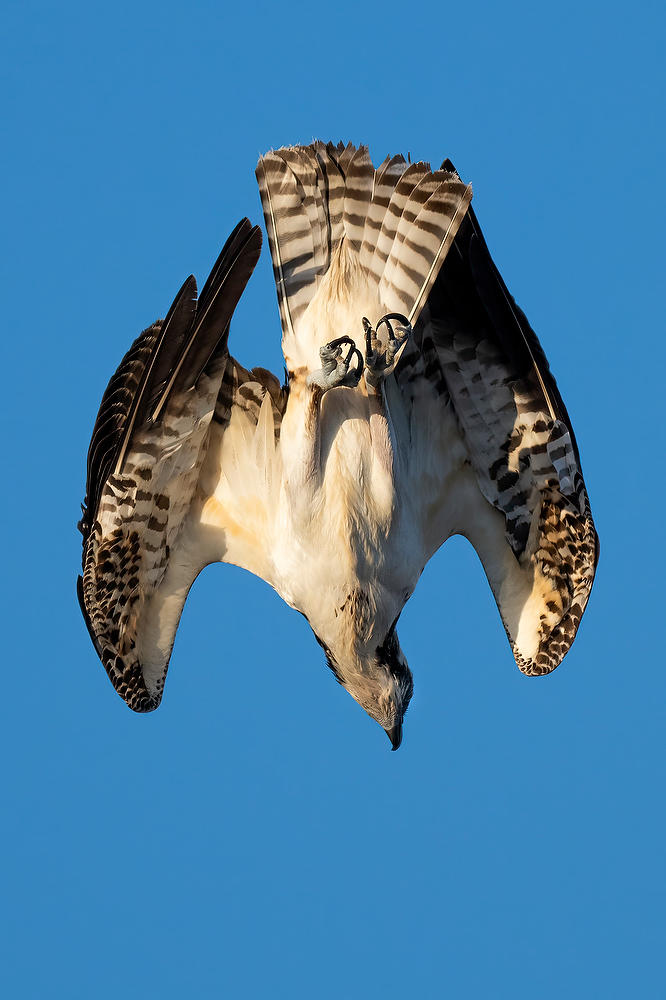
<point x="353" y="376"/>
<point x="399" y="318"/>
<point x="372" y="344"/>
<point x="395" y="343"/>
<point x="369" y="334"/>
<point x="337" y="343"/>
<point x="381" y="363"/>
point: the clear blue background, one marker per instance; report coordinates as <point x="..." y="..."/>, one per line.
<point x="255" y="837"/>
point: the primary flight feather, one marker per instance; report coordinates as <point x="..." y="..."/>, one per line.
<point x="419" y="404"/>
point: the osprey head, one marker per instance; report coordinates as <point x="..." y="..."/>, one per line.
<point x="379" y="680"/>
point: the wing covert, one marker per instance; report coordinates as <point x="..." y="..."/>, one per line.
<point x="143" y="540"/>
<point x="477" y="367"/>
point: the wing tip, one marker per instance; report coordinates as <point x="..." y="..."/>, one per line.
<point x="130" y="685"/>
<point x="554" y="646"/>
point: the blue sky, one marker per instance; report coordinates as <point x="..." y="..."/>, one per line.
<point x="255" y="837"/>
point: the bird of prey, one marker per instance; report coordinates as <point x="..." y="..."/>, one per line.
<point x="418" y="404"/>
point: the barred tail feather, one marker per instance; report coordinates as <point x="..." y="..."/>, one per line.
<point x="389" y="229"/>
<point x="408" y="180"/>
<point x="427" y="227"/>
<point x="289" y="234"/>
<point x="332" y="164"/>
<point x="386" y="177"/>
<point x="359" y="181"/>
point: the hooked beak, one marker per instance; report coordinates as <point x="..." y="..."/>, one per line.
<point x="395" y="735"/>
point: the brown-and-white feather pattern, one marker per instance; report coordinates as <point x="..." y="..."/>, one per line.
<point x="149" y="445"/>
<point x="388" y="231"/>
<point x="489" y="371"/>
<point x="338" y="488"/>
<point x="136" y="527"/>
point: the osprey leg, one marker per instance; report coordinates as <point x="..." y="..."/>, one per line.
<point x="380" y="362"/>
<point x="301" y="444"/>
<point x="303" y="459"/>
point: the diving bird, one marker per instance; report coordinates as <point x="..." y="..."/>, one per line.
<point x="418" y="404"/>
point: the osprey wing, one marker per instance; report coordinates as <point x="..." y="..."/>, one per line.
<point x="158" y="433"/>
<point x="476" y="369"/>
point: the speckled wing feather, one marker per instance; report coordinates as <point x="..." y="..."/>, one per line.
<point x="476" y="363"/>
<point x="162" y="426"/>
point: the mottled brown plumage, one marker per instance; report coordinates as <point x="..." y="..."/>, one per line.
<point x="391" y="435"/>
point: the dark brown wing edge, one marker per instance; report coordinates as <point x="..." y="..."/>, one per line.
<point x="508" y="320"/>
<point x="517" y="336"/>
<point x="185" y="342"/>
<point x="470" y="289"/>
<point x="218" y="300"/>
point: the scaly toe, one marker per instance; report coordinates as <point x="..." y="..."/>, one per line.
<point x="330" y="351"/>
<point x="336" y="369"/>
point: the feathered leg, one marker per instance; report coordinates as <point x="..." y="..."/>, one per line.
<point x="301" y="443"/>
<point x="380" y="362"/>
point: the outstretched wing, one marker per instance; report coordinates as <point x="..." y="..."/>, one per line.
<point x="176" y="405"/>
<point x="503" y="467"/>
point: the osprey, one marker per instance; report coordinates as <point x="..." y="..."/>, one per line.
<point x="418" y="404"/>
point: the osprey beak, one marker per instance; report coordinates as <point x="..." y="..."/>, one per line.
<point x="395" y="735"/>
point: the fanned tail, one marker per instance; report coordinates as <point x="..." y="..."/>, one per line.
<point x="374" y="238"/>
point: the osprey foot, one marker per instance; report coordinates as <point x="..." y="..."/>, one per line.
<point x="336" y="370"/>
<point x="381" y="362"/>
